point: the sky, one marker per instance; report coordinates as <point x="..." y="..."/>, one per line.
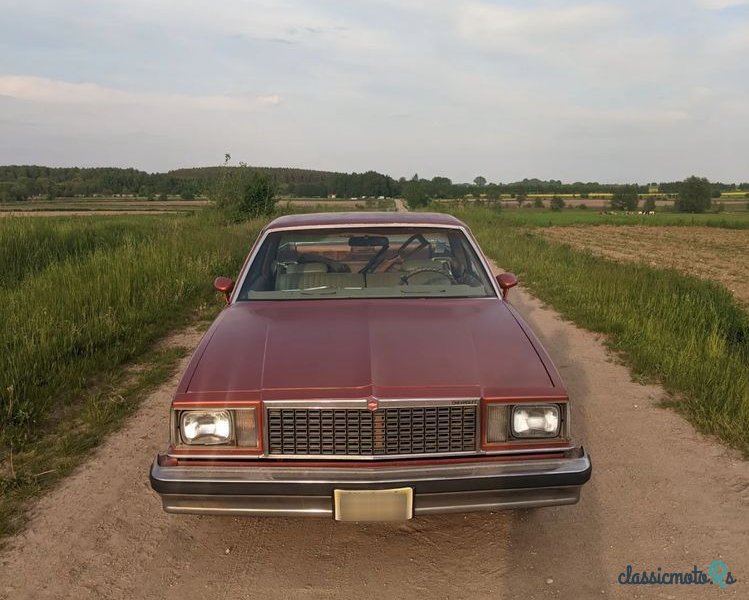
<point x="609" y="91"/>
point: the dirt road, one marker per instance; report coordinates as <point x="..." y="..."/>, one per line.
<point x="661" y="495"/>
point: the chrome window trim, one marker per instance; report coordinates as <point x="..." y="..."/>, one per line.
<point x="469" y="237"/>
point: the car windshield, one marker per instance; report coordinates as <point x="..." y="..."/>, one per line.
<point x="376" y="262"/>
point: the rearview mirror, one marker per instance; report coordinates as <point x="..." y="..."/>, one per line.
<point x="224" y="285"/>
<point x="506" y="281"/>
<point x="367" y="241"/>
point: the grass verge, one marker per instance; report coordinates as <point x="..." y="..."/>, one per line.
<point x="92" y="296"/>
<point x="687" y="333"/>
<point x="41" y="464"/>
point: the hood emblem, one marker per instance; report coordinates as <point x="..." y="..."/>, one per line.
<point x="372" y="404"/>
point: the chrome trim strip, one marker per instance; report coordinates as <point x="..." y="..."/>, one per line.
<point x="376" y="458"/>
<point x="253" y="506"/>
<point x="365" y="476"/>
<point x="431" y="504"/>
<point x="471" y="240"/>
<point x="361" y="403"/>
<point x="367" y="457"/>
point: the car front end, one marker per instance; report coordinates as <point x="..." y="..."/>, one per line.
<point x="369" y="460"/>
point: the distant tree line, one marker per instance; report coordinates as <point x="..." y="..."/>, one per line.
<point x="23" y="182"/>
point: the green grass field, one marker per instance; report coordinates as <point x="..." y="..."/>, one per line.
<point x="79" y="300"/>
<point x="686" y="332"/>
<point x="533" y="217"/>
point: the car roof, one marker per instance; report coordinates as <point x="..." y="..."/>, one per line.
<point x="334" y="219"/>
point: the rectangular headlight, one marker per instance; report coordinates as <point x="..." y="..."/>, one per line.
<point x="536" y="421"/>
<point x="206" y="427"/>
<point x="496" y="423"/>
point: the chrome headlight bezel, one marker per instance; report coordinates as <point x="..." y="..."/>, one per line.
<point x="245" y="429"/>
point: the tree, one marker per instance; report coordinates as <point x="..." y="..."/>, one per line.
<point x="625" y="198"/>
<point x="694" y="195"/>
<point x="557" y="203"/>
<point x="258" y="197"/>
<point x="649" y="205"/>
<point x="480" y="181"/>
<point x="538" y="203"/>
<point x="414" y="194"/>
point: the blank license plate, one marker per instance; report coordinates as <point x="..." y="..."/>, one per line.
<point x="374" y="505"/>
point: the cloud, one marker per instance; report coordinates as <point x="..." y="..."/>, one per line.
<point x="37" y="89"/>
<point x="499" y="25"/>
<point x="601" y="42"/>
<point x="722" y="4"/>
<point x="271" y="100"/>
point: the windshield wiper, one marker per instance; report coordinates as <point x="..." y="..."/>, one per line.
<point x="422" y="292"/>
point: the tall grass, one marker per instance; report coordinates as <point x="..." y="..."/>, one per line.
<point x="686" y="332"/>
<point x="29" y="245"/>
<point x="83" y="307"/>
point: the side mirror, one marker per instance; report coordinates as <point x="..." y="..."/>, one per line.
<point x="506" y="281"/>
<point x="224" y="285"/>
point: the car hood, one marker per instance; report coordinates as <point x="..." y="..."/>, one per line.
<point x="388" y="348"/>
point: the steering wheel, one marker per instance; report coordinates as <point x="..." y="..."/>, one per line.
<point x="435" y="270"/>
<point x="402" y="253"/>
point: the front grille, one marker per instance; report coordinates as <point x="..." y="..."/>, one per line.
<point x="384" y="432"/>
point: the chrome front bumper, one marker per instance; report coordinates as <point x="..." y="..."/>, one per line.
<point x="292" y="490"/>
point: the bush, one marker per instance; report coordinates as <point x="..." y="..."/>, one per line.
<point x="242" y="193"/>
<point x="414" y="194"/>
<point x="538" y="203"/>
<point x="582" y="206"/>
<point x="649" y="205"/>
<point x="258" y="198"/>
<point x="695" y="195"/>
<point x="557" y="203"/>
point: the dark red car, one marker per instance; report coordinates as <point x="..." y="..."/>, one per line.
<point x="368" y="367"/>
